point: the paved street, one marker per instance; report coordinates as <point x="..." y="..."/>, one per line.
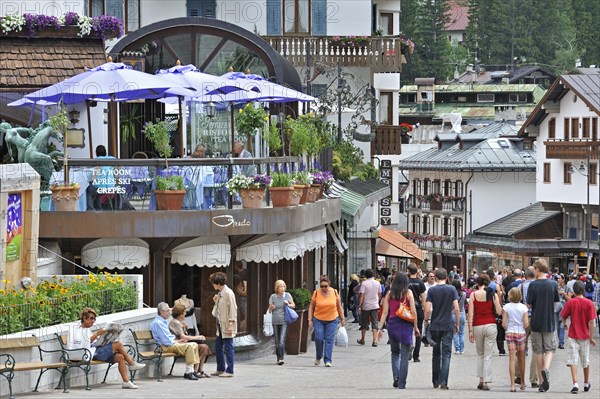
<point x="357" y="372"/>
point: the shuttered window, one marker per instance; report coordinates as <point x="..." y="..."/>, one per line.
<point x="201" y="8"/>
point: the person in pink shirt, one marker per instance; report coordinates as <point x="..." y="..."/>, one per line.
<point x="368" y="306"/>
<point x="582" y="314"/>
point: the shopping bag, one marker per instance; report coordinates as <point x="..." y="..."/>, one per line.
<point x="289" y="315"/>
<point x="268" y="324"/>
<point x="341" y="338"/>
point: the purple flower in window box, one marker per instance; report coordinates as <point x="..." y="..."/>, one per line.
<point x="107" y="27"/>
<point x="37" y="22"/>
<point x="71" y="18"/>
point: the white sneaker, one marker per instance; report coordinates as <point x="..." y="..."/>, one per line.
<point x="136" y="366"/>
<point x="328" y="364"/>
<point x="129" y="385"/>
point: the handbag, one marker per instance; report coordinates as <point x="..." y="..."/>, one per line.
<point x="289" y="315"/>
<point x="404" y="313"/>
<point x="268" y="324"/>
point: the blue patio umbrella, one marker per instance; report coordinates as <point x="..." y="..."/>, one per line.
<point x="108" y="82"/>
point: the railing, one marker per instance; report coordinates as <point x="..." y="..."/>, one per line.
<point x="128" y="184"/>
<point x="446" y="204"/>
<point x="571" y="149"/>
<point x="50" y="311"/>
<point x="382" y="54"/>
<point x="455" y="244"/>
<point x="388" y="140"/>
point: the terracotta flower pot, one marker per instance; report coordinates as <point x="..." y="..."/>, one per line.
<point x="281" y="196"/>
<point x="304" y="189"/>
<point x="65" y="197"/>
<point x="313" y="192"/>
<point x="169" y="200"/>
<point x="296" y="195"/>
<point x="252" y="197"/>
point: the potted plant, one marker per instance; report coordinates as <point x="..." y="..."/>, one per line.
<point x="249" y="119"/>
<point x="251" y="189"/>
<point x="322" y="180"/>
<point x="302" y="181"/>
<point x="297" y="335"/>
<point x="169" y="190"/>
<point x="281" y="189"/>
<point x="64" y="196"/>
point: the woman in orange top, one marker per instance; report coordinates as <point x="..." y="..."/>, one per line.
<point x="324" y="311"/>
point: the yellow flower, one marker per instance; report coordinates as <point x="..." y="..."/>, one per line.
<point x="240" y="110"/>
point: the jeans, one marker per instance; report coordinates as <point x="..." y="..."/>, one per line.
<point x="442" y="353"/>
<point x="280" y="331"/>
<point x="399" y="362"/>
<point x="325" y="337"/>
<point x="224" y="349"/>
<point x="560" y="330"/>
<point x="420" y="317"/>
<point x="459" y="337"/>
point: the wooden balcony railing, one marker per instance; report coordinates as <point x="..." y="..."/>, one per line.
<point x="445" y="205"/>
<point x="571" y="149"/>
<point x="382" y="54"/>
<point x="388" y="140"/>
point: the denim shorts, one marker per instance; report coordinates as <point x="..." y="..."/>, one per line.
<point x="105" y="353"/>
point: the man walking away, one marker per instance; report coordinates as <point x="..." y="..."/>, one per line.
<point x="541" y="297"/>
<point x="533" y="377"/>
<point x="581" y="334"/>
<point x="368" y="306"/>
<point x="444" y="300"/>
<point x="418" y="289"/>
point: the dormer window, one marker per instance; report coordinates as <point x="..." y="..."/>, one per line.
<point x="486" y="98"/>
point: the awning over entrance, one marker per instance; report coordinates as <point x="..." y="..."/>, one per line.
<point x="273" y="248"/>
<point x="357" y="195"/>
<point x="112" y="253"/>
<point x="203" y="251"/>
<point x="338" y="236"/>
<point x="392" y="243"/>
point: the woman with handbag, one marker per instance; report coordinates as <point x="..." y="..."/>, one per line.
<point x="483" y="308"/>
<point x="277" y="304"/>
<point x="399" y="302"/>
<point x="325" y="312"/>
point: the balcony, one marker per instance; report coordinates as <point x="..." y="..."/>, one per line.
<point x="388" y="140"/>
<point x="381" y="54"/>
<point x="445" y="204"/>
<point x="435" y="243"/>
<point x="571" y="149"/>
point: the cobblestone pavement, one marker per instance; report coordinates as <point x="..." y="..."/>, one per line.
<point x="357" y="372"/>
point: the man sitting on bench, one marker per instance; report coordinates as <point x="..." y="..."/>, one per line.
<point x="169" y="343"/>
<point x="81" y="336"/>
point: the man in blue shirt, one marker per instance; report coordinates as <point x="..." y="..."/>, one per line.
<point x="169" y="344"/>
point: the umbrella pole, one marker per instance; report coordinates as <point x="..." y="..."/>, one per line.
<point x="89" y="118"/>
<point x="181" y="147"/>
<point x="232" y="132"/>
<point x="112" y="106"/>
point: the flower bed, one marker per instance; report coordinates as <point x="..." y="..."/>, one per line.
<point x="58" y="301"/>
<point x="103" y="26"/>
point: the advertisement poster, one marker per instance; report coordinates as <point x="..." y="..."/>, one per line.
<point x="14" y="227"/>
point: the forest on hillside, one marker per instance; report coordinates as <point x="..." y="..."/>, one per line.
<point x="551" y="33"/>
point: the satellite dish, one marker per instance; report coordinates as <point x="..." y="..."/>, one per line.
<point x="26" y="283"/>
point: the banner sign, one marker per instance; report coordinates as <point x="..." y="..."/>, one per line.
<point x="14" y="227"/>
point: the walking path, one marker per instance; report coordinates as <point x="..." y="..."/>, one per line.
<point x="357" y="372"/>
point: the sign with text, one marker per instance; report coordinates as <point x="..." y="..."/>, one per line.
<point x="385" y="176"/>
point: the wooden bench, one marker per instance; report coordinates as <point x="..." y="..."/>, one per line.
<point x="82" y="359"/>
<point x="144" y="339"/>
<point x="8" y="365"/>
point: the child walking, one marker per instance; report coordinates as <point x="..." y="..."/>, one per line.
<point x="515" y="320"/>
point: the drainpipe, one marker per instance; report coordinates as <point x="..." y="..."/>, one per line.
<point x="470" y="211"/>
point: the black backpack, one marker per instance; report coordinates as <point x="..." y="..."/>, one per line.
<point x="589" y="287"/>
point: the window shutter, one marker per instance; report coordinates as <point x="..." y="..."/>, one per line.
<point x="115" y="8"/>
<point x="274" y="17"/>
<point x="209" y="8"/>
<point x="194" y="8"/>
<point x="319" y="17"/>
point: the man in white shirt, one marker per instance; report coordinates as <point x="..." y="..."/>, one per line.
<point x="368" y="306"/>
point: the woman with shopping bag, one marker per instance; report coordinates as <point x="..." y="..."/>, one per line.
<point x="278" y="302"/>
<point x="399" y="302"/>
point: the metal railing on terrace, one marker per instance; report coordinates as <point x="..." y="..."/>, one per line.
<point x="128" y="184"/>
<point x="382" y="53"/>
<point x="446" y="204"/>
<point x="38" y="311"/>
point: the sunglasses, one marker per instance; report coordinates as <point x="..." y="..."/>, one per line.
<point x="324" y="286"/>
